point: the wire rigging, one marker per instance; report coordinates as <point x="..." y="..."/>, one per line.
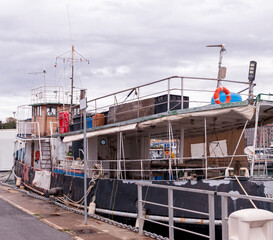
<point x="69" y="24"/>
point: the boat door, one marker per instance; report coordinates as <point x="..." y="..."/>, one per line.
<point x="32" y="154"/>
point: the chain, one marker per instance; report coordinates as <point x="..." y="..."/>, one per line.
<point x="94" y="216"/>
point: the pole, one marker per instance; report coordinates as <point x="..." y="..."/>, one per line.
<point x="140" y="213"/>
<point x="85" y="166"/>
<point x="205" y="149"/>
<point x="83" y="106"/>
<point x="182" y="143"/>
<point x="211" y="217"/>
<point x="255" y="138"/>
<point x="170" y="213"/>
<point x="219" y="67"/>
<point x="222" y="50"/>
<point x="72" y="76"/>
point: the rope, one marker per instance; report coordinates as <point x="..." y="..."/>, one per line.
<point x="98" y="172"/>
<point x="253" y="204"/>
<point x="33" y="189"/>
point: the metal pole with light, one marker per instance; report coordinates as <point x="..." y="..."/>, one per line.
<point x="251" y="78"/>
<point x="221" y="70"/>
<point x="83" y="106"/>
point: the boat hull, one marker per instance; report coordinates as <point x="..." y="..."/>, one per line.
<point x="121" y="195"/>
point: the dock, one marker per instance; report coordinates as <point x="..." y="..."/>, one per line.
<point x="70" y="224"/>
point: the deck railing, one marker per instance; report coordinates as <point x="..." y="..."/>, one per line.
<point x="210" y="214"/>
<point x="173" y="93"/>
<point x="28" y="129"/>
<point x="53" y="94"/>
<point x="163" y="169"/>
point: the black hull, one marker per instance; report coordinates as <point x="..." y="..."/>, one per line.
<point x="121" y="195"/>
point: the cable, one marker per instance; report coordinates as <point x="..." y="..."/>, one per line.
<point x="69" y="24"/>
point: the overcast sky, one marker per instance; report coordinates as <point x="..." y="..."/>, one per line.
<point x="129" y="42"/>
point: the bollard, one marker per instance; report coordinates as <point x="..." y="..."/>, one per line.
<point x="18" y="181"/>
<point x="251" y="224"/>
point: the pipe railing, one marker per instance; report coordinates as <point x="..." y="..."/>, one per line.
<point x="175" y="85"/>
<point x="210" y="214"/>
<point x="224" y="207"/>
<point x="28" y="129"/>
<point x="171" y="207"/>
<point x="146" y="170"/>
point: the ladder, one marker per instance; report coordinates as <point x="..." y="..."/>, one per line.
<point x="46" y="163"/>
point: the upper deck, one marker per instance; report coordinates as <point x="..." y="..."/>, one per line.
<point x="53" y="95"/>
<point x="39" y="118"/>
<point x="180" y="100"/>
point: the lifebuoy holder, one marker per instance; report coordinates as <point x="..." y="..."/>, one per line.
<point x="216" y="95"/>
<point x="37" y="155"/>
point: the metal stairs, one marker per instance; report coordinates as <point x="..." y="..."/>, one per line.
<point x="46" y="163"/>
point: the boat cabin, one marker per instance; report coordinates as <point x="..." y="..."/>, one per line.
<point x="198" y="138"/>
<point x="36" y="123"/>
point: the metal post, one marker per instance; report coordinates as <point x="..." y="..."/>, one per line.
<point x="205" y="149"/>
<point x="83" y="106"/>
<point x="224" y="214"/>
<point x="85" y="166"/>
<point x="138" y="104"/>
<point x="170" y="211"/>
<point x="72" y="76"/>
<point x="219" y="66"/>
<point x="211" y="217"/>
<point x="181" y="143"/>
<point x="141" y="170"/>
<point x="119" y="145"/>
<point x="140" y="214"/>
<point x="182" y="93"/>
<point x="169" y="97"/>
<point x="255" y="138"/>
<point x="250" y="91"/>
<point x="170" y="152"/>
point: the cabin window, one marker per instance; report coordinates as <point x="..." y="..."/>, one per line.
<point x="162" y="148"/>
<point x="51" y="111"/>
<point x="198" y="150"/>
<point x="38" y="111"/>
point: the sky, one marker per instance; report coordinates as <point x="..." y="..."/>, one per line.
<point x="128" y="43"/>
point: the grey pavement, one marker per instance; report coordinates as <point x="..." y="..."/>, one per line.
<point x="18" y="225"/>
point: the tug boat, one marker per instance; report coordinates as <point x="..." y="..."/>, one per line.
<point x="165" y="132"/>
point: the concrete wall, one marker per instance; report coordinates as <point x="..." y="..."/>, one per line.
<point x="6" y="148"/>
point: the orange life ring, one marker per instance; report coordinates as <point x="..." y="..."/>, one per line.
<point x="37" y="155"/>
<point x="217" y="93"/>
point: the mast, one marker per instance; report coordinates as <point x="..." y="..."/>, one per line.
<point x="72" y="59"/>
<point x="221" y="70"/>
<point x="72" y="76"/>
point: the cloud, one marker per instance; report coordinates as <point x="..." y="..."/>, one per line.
<point x="129" y="42"/>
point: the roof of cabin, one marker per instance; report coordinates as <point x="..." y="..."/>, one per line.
<point x="220" y="117"/>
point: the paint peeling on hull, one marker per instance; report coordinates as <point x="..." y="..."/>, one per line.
<point x="216" y="183"/>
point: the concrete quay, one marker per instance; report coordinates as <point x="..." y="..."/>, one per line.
<point x="24" y="217"/>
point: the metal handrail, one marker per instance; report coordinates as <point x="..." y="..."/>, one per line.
<point x="211" y="213"/>
<point x="173" y="86"/>
<point x="163" y="169"/>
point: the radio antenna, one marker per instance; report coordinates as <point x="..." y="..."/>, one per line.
<point x="74" y="57"/>
<point x="43" y="72"/>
